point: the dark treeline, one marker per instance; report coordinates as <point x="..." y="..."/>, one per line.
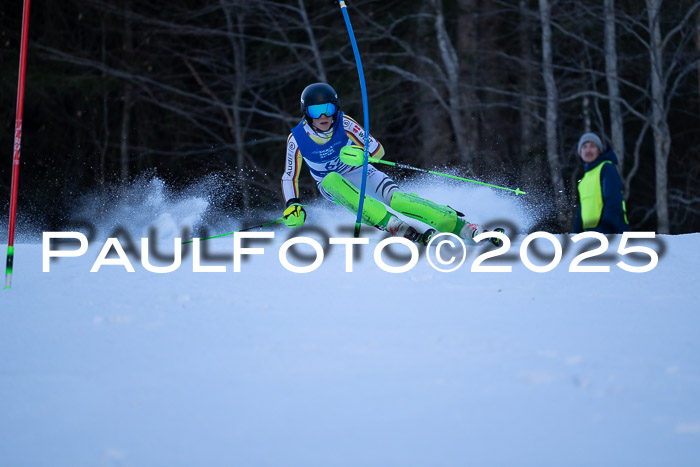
<point x="497" y="90"/>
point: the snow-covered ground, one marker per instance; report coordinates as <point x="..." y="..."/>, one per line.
<point x="266" y="367"/>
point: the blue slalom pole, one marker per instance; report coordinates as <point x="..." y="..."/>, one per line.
<point x="365" y="108"/>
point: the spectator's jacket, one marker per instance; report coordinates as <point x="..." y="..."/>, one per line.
<point x="601" y="207"/>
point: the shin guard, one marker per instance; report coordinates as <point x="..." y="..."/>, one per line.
<point x="346" y="194"/>
<point x="443" y="218"/>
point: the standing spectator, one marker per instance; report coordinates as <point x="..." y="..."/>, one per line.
<point x="602" y="206"/>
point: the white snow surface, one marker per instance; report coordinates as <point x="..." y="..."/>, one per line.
<point x="267" y="367"/>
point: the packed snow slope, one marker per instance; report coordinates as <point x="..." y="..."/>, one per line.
<point x="267" y="367"/>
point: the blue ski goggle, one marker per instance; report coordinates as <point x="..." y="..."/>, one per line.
<point x="315" y="111"/>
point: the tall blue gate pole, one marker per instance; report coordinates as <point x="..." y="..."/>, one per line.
<point x="365" y="108"/>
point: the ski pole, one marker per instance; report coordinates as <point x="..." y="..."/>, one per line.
<point x="351" y="156"/>
<point x="276" y="221"/>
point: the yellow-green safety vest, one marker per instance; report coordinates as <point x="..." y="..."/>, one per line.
<point x="591" y="195"/>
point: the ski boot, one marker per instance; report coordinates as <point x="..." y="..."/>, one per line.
<point x="397" y="227"/>
<point x="469" y="231"/>
<point x="494" y="240"/>
<point x="426" y="236"/>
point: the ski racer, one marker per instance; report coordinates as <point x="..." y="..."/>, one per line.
<point x="319" y="139"/>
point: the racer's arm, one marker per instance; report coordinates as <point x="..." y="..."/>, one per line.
<point x="357" y="137"/>
<point x="292" y="167"/>
<point x="294" y="214"/>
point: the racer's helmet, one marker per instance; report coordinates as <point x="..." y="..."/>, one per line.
<point x="319" y="99"/>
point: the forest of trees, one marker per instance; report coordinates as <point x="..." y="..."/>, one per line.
<point x="496" y="90"/>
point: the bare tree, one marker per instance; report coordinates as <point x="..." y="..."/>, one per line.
<point x="552" y="110"/>
<point x="526" y="102"/>
<point x="454" y="94"/>
<point x="433" y="125"/>
<point x="466" y="51"/>
<point x="312" y="41"/>
<point x="667" y="70"/>
<point x="697" y="48"/>
<point x="662" y="137"/>
<point x="611" y="74"/>
<point x="127" y="97"/>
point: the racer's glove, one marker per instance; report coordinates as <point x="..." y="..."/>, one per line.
<point x="353" y="155"/>
<point x="294" y="215"/>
